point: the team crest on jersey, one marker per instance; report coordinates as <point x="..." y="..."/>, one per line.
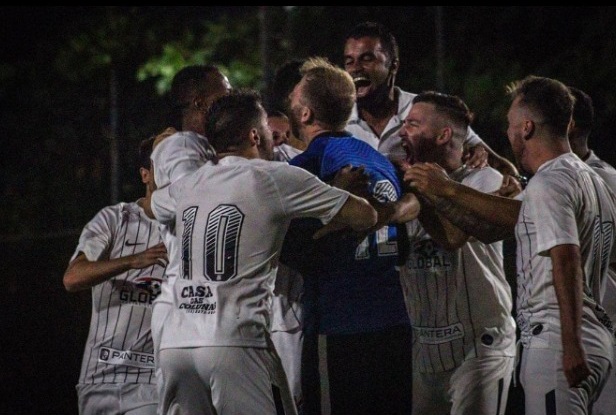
<point x="384" y="191"/>
<point x="150" y="284"/>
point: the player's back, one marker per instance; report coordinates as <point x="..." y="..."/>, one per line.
<point x="231" y="219"/>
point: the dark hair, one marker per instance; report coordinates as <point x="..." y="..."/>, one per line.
<point x="231" y="116"/>
<point x="286" y="77"/>
<point x="583" y="111"/>
<point x="549" y="98"/>
<point x="189" y="82"/>
<point x="145" y="151"/>
<point x="380" y="31"/>
<point x="453" y="107"/>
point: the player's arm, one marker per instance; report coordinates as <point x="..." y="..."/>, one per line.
<point x="487" y="217"/>
<point x="356" y="181"/>
<point x="568" y="285"/>
<point x="401" y="211"/>
<point x="356" y="213"/>
<point x="82" y="273"/>
<point x="440" y="229"/>
<point x="482" y="154"/>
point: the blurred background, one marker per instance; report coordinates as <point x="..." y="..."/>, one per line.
<point x="81" y="86"/>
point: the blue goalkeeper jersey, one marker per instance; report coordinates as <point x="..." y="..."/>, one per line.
<point x="350" y="286"/>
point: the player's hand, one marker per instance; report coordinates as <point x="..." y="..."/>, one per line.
<point x="155" y="255"/>
<point x="574" y="365"/>
<point x="475" y="157"/>
<point x="427" y="179"/>
<point x="352" y="179"/>
<point x="510" y="187"/>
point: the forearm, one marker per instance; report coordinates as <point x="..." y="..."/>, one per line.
<point x="496" y="210"/>
<point x="357" y="213"/>
<point x="568" y="285"/>
<point x="440" y="229"/>
<point x="83" y="274"/>
<point x="401" y="211"/>
<point x="471" y="222"/>
<point x="501" y="164"/>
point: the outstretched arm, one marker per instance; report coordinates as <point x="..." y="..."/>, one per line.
<point x="487" y="217"/>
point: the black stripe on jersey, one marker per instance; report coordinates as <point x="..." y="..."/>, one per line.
<point x="278" y="400"/>
<point x="550" y="403"/>
<point x="499" y="403"/>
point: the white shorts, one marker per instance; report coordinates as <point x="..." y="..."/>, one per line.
<point x="606" y="403"/>
<point x="160" y="311"/>
<point x="289" y="347"/>
<point x="224" y="381"/>
<point x="128" y="399"/>
<point x="479" y="386"/>
<point x="546" y="390"/>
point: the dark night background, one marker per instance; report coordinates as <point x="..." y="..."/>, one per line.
<point x="56" y="120"/>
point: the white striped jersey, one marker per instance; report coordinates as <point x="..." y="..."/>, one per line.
<point x="608" y="291"/>
<point x="119" y="345"/>
<point x="565" y="202"/>
<point x="458" y="299"/>
<point x="232" y="218"/>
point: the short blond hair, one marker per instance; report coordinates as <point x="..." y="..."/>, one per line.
<point x="328" y="91"/>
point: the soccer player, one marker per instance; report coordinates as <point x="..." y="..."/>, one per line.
<point x="564" y="227"/>
<point x="579" y="133"/>
<point x="353" y="300"/>
<point x="216" y="353"/>
<point x="371" y="57"/>
<point x="458" y="298"/>
<point x="178" y="153"/>
<point x="121" y="258"/>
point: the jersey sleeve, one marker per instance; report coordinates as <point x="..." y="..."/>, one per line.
<point x="472" y="139"/>
<point x="99" y="233"/>
<point x="304" y="195"/>
<point x="163" y="205"/>
<point x="486" y="180"/>
<point x="176" y="157"/>
<point x="552" y="209"/>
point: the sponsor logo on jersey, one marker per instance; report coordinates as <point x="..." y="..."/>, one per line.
<point x="126" y="358"/>
<point x="141" y="292"/>
<point x="196" y="299"/>
<point x="426" y="254"/>
<point x="438" y="335"/>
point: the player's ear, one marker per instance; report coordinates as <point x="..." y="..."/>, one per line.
<point x="445" y="135"/>
<point x="145" y="175"/>
<point x="307" y="115"/>
<point x="529" y="129"/>
<point x="255" y="138"/>
<point x="394" y="65"/>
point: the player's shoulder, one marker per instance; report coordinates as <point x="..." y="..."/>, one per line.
<point x="179" y="139"/>
<point x="116" y="213"/>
